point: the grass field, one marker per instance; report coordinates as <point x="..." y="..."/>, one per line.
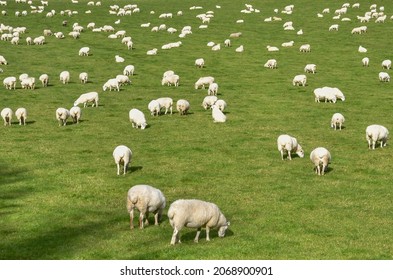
<point x="60" y="197"/>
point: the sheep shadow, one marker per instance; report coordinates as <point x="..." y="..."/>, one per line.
<point x="133" y="169"/>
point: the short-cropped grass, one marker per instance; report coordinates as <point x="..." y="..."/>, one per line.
<point x="60" y="197"/>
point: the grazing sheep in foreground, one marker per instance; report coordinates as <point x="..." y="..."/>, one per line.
<point x="65" y="77"/>
<point x="122" y="155"/>
<point x="337" y="120"/>
<point x="84" y="51"/>
<point x="62" y="115"/>
<point x="217" y="114"/>
<point x="137" y="118"/>
<point x="375" y="133"/>
<point x="165" y="102"/>
<point x="75" y="113"/>
<point x="182" y="106"/>
<point x="271" y="63"/>
<point x="83" y="77"/>
<point x="387" y="64"/>
<point x="6" y="114"/>
<point x="44" y="78"/>
<point x="384" y="77"/>
<point x="171" y="80"/>
<point x="154" y="107"/>
<point x="321" y="158"/>
<point x="288" y="144"/>
<point x="299" y="80"/>
<point x="204" y="81"/>
<point x="21" y="115"/>
<point x="195" y="213"/>
<point x="87" y="97"/>
<point x="146" y="199"/>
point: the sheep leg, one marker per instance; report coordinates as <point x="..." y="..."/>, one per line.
<point x="131" y="218"/>
<point x="156" y="218"/>
<point x="197" y="235"/>
<point x="118" y="168"/>
<point x="125" y="169"/>
<point x="141" y="216"/>
<point x="175" y="237"/>
<point x="207" y="233"/>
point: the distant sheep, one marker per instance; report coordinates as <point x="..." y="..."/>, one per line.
<point x="217" y="114"/>
<point x="196" y="214"/>
<point x="387" y="64"/>
<point x="204" y="81"/>
<point x="6" y="114"/>
<point x="87" y="97"/>
<point x="21" y="115"/>
<point x="137" y="118"/>
<point x="152" y="52"/>
<point x="122" y="155"/>
<point x="208" y="101"/>
<point x="182" y="106"/>
<point x="299" y="80"/>
<point x="362" y="49"/>
<point x="288" y="144"/>
<point x="44" y="78"/>
<point x="165" y="102"/>
<point x="337" y="121"/>
<point x="75" y="113"/>
<point x="119" y="59"/>
<point x="83" y="77"/>
<point x="239" y="49"/>
<point x="65" y="77"/>
<point x="3" y="60"/>
<point x="129" y="70"/>
<point x="171" y="80"/>
<point x="154" y="107"/>
<point x="62" y="115"/>
<point x="84" y="51"/>
<point x="310" y="68"/>
<point x="111" y="84"/>
<point x="213" y="89"/>
<point x="365" y="61"/>
<point x="321" y="158"/>
<point x="271" y="63"/>
<point x="200" y="62"/>
<point x="384" y="77"/>
<point x="305" y="48"/>
<point x="146" y="199"/>
<point x="288" y="44"/>
<point x="221" y="104"/>
<point x="375" y="133"/>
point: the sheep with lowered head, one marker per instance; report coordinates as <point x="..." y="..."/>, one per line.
<point x="337" y="120"/>
<point x="21" y="115"/>
<point x="62" y="115"/>
<point x="154" y="107"/>
<point x="137" y="118"/>
<point x="146" y="199"/>
<point x="217" y="114"/>
<point x="321" y="158"/>
<point x="75" y="113"/>
<point x="182" y="106"/>
<point x="288" y="144"/>
<point x="122" y="155"/>
<point x="87" y="97"/>
<point x="44" y="78"/>
<point x="375" y="133"/>
<point x="165" y="102"/>
<point x="6" y="114"/>
<point x="204" y="81"/>
<point x="195" y="213"/>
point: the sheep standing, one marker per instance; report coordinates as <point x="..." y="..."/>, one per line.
<point x="21" y="115"/>
<point x="87" y="97"/>
<point x="44" y="78"/>
<point x="6" y="114"/>
<point x="182" y="106"/>
<point x="384" y="77"/>
<point x="387" y="64"/>
<point x="200" y="62"/>
<point x="9" y="83"/>
<point x="165" y="102"/>
<point x="299" y="80"/>
<point x="213" y="89"/>
<point x="337" y="120"/>
<point x="204" y="81"/>
<point x="83" y="77"/>
<point x="129" y="70"/>
<point x="271" y="63"/>
<point x="195" y="213"/>
<point x="321" y="158"/>
<point x="208" y="101"/>
<point x="84" y="51"/>
<point x="65" y="77"/>
<point x="310" y="68"/>
<point x="62" y="115"/>
<point x="171" y="80"/>
<point x="75" y="113"/>
<point x="375" y="133"/>
<point x="288" y="144"/>
<point x="146" y="199"/>
<point x="365" y="61"/>
<point x="137" y="118"/>
<point x="218" y="115"/>
<point x="122" y="155"/>
<point x="154" y="107"/>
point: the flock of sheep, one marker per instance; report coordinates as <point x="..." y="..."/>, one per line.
<point x="147" y="199"/>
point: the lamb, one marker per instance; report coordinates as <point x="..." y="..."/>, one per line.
<point x="213" y="89"/>
<point x="65" y="77"/>
<point x="171" y="80"/>
<point x="62" y="115"/>
<point x="87" y="97"/>
<point x="208" y="101"/>
<point x="200" y="62"/>
<point x="21" y="115"/>
<point x="129" y="70"/>
<point x="182" y="106"/>
<point x="288" y="144"/>
<point x="9" y="82"/>
<point x="217" y="114"/>
<point x="321" y="158"/>
<point x="122" y="155"/>
<point x="28" y="83"/>
<point x="365" y="61"/>
<point x="384" y="77"/>
<point x="165" y="102"/>
<point x="84" y="51"/>
<point x="375" y="133"/>
<point x="44" y="78"/>
<point x="195" y="213"/>
<point x="204" y="81"/>
<point x="137" y="118"/>
<point x="310" y="68"/>
<point x="337" y="120"/>
<point x="299" y="80"/>
<point x="221" y="104"/>
<point x="271" y="63"/>
<point x="146" y="199"/>
<point x="111" y="84"/>
<point x="154" y="107"/>
<point x="75" y="113"/>
<point x="387" y="64"/>
<point x="305" y="48"/>
<point x="6" y="114"/>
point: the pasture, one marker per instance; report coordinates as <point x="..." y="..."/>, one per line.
<point x="60" y="197"/>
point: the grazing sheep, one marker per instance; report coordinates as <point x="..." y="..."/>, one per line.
<point x="28" y="83"/>
<point x="321" y="158"/>
<point x="44" y="78"/>
<point x="171" y="80"/>
<point x="337" y="120"/>
<point x="310" y="68"/>
<point x="271" y="63"/>
<point x="84" y="51"/>
<point x="123" y="80"/>
<point x="62" y="115"/>
<point x="204" y="81"/>
<point x="208" y="101"/>
<point x="9" y="82"/>
<point x="83" y="77"/>
<point x="217" y="114"/>
<point x="146" y="199"/>
<point x="200" y="62"/>
<point x="165" y="102"/>
<point x="182" y="106"/>
<point x="75" y="113"/>
<point x="305" y="48"/>
<point x="213" y="89"/>
<point x="333" y="27"/>
<point x="375" y="133"/>
<point x="387" y="64"/>
<point x="288" y="144"/>
<point x="365" y="61"/>
<point x="3" y="60"/>
<point x="384" y="77"/>
<point x="129" y="70"/>
<point x="111" y="84"/>
<point x="87" y="97"/>
<point x="21" y="115"/>
<point x="299" y="80"/>
<point x="6" y="114"/>
<point x="324" y="94"/>
<point x="221" y="104"/>
<point x="195" y="213"/>
<point x="122" y="155"/>
<point x="227" y="43"/>
<point x="137" y="118"/>
<point x="154" y="107"/>
<point x="168" y="73"/>
<point x="65" y="77"/>
<point x="362" y="49"/>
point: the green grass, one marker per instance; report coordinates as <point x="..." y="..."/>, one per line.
<point x="60" y="197"/>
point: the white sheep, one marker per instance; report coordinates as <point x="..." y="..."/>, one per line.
<point x="75" y="113"/>
<point x="87" y="97"/>
<point x="204" y="81"/>
<point x="123" y="80"/>
<point x="321" y="158"/>
<point x="137" y="118"/>
<point x="326" y="94"/>
<point x="362" y="49"/>
<point x="217" y="114"/>
<point x="365" y="61"/>
<point x="83" y="77"/>
<point x="119" y="59"/>
<point x="195" y="213"/>
<point x="168" y="73"/>
<point x="272" y="49"/>
<point x="384" y="77"/>
<point x="171" y="80"/>
<point x="227" y="43"/>
<point x="299" y="80"/>
<point x="221" y="104"/>
<point x="129" y="70"/>
<point x="65" y="77"/>
<point x="182" y="106"/>
<point x="165" y="102"/>
<point x="213" y="89"/>
<point x="21" y="115"/>
<point x="154" y="107"/>
<point x="44" y="78"/>
<point x="375" y="133"/>
<point x="333" y="27"/>
<point x="305" y="48"/>
<point x="200" y="62"/>
<point x="310" y="68"/>
<point x="9" y="82"/>
<point x="271" y="63"/>
<point x="111" y="84"/>
<point x="337" y="120"/>
<point x="240" y="49"/>
<point x="84" y="51"/>
<point x="122" y="155"/>
<point x="62" y="115"/>
<point x="216" y="47"/>
<point x="208" y="101"/>
<point x="146" y="199"/>
<point x="387" y="64"/>
<point x="288" y="44"/>
<point x="235" y="35"/>
<point x="152" y="52"/>
<point x="23" y="76"/>
<point x="288" y="144"/>
<point x="6" y="114"/>
<point x="28" y="83"/>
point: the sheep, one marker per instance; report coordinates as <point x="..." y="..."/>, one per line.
<point x="168" y="73"/>
<point x="123" y="80"/>
<point x="386" y="64"/>
<point x="9" y="82"/>
<point x="58" y="35"/>
<point x="217" y="114"/>
<point x="365" y="61"/>
<point x="239" y="49"/>
<point x="122" y="155"/>
<point x="375" y="133"/>
<point x="154" y="107"/>
<point x="75" y="113"/>
<point x="235" y="35"/>
<point x="337" y="120"/>
<point x="29" y="41"/>
<point x="221" y="104"/>
<point x="23" y="76"/>
<point x="310" y="68"/>
<point x="3" y="61"/>
<point x="28" y="82"/>
<point x="87" y="97"/>
<point x="195" y="213"/>
<point x="6" y="114"/>
<point x="288" y="144"/>
<point x="333" y="27"/>
<point x="65" y="77"/>
<point x="384" y="77"/>
<point x="44" y="78"/>
<point x="146" y="199"/>
<point x="152" y="52"/>
<point x="39" y="40"/>
<point x="288" y="44"/>
<point x="119" y="59"/>
<point x="111" y="84"/>
<point x="325" y="93"/>
<point x="129" y="70"/>
<point x="137" y="118"/>
<point x="321" y="158"/>
<point x="299" y="80"/>
<point x="272" y="49"/>
<point x="362" y="49"/>
<point x="84" y="51"/>
<point x="171" y="80"/>
<point x="305" y="48"/>
<point x="200" y="62"/>
<point x="201" y="82"/>
<point x="216" y="47"/>
<point x="208" y="101"/>
<point x="213" y="89"/>
<point x="21" y="115"/>
<point x="271" y="63"/>
<point x="165" y="102"/>
<point x="227" y="43"/>
<point x="182" y="106"/>
<point x="62" y="115"/>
